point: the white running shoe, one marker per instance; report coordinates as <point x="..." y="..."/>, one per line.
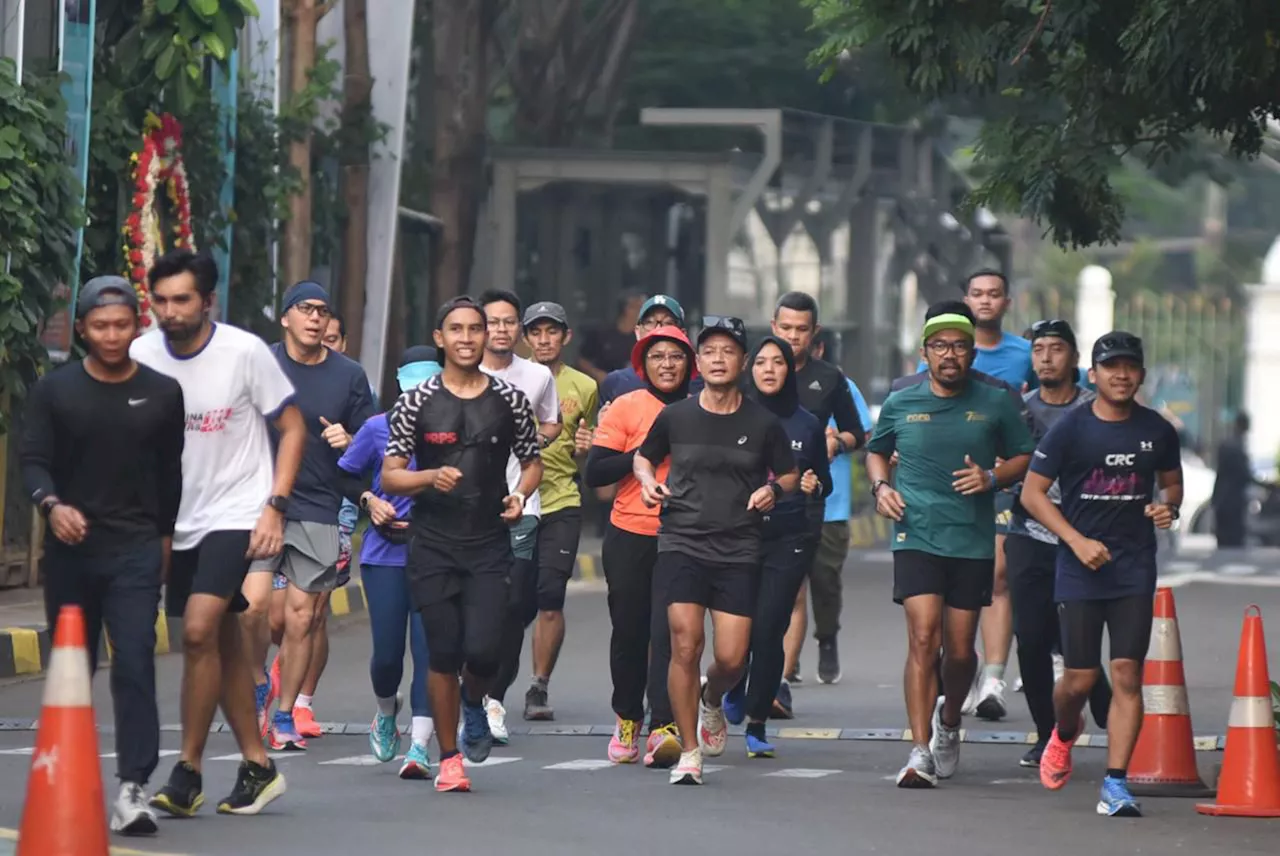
<point x="689" y="769"/>
<point x="497" y="720"/>
<point x="130" y="814"/>
<point x="991" y="705"/>
<point x="713" y="730"/>
<point x="945" y="746"/>
<point x="1017" y="685"/>
<point x="920" y="771"/>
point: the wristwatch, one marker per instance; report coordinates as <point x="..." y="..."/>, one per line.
<point x="279" y="503"/>
<point x="777" y="490"/>
<point x="1175" y="512"/>
<point x="47" y="505"/>
<point x="544" y="440"/>
<point x="875" y="487"/>
<point x="364" y="500"/>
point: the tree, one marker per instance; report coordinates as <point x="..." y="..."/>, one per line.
<point x="1070" y="88"/>
<point x="354" y="151"/>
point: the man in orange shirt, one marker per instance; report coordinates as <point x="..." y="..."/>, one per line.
<point x="664" y="358"/>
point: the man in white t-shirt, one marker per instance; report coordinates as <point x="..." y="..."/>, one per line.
<point x="231" y="514"/>
<point x="502" y="309"/>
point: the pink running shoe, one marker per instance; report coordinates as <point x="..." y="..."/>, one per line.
<point x="624" y="746"/>
<point x="1055" y="763"/>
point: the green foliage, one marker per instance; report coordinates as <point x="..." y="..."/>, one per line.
<point x="1069" y="89"/>
<point x="39" y="207"/>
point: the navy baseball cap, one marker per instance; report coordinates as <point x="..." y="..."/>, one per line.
<point x="105" y="291"/>
<point x="1118" y="344"/>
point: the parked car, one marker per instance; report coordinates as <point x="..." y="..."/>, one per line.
<point x="1263" y="521"/>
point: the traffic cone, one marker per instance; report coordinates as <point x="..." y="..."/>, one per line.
<point x="1164" y="761"/>
<point x="65" y="814"/>
<point x="1250" y="781"/>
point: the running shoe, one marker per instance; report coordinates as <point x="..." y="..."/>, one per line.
<point x="262" y="695"/>
<point x="130" y="814"/>
<point x="497" y="715"/>
<point x="384" y="737"/>
<point x="991" y="705"/>
<point x="782" y="708"/>
<point x="477" y="735"/>
<point x="536" y="706"/>
<point x="452" y="775"/>
<point x="256" y="786"/>
<point x="1017" y="684"/>
<point x="417" y="764"/>
<point x="1055" y="762"/>
<point x="713" y="731"/>
<point x="944" y="746"/>
<point x="734" y="704"/>
<point x="1033" y="755"/>
<point x="183" y="794"/>
<point x="758" y="745"/>
<point x="1115" y="800"/>
<point x="304" y="718"/>
<point x="794" y="677"/>
<point x="273" y="680"/>
<point x="920" y="772"/>
<point x="663" y="747"/>
<point x="688" y="771"/>
<point x="828" y="662"/>
<point x="624" y="745"/>
<point x="284" y="736"/>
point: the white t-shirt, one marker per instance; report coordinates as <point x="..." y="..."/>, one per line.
<point x="229" y="386"/>
<point x="539" y="386"/>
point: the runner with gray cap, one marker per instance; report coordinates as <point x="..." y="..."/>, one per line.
<point x="101" y="457"/>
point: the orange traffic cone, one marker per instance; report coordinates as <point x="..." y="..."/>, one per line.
<point x="65" y="813"/>
<point x="1250" y="781"/>
<point x="1164" y="761"/>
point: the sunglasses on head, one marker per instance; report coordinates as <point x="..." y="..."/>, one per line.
<point x="725" y="322"/>
<point x="1119" y="343"/>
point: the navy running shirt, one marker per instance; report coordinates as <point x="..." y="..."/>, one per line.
<point x="1107" y="472"/>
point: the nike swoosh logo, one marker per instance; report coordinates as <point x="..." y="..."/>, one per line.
<point x="134" y="402"/>
<point x="521" y="537"/>
<point x="564" y="552"/>
<point x="801" y="550"/>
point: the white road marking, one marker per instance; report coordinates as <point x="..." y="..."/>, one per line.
<point x="491" y="761"/>
<point x="29" y="750"/>
<point x="164" y="753"/>
<point x="581" y="764"/>
<point x="803" y="773"/>
<point x="353" y="761"/>
<point x="1015" y="781"/>
<point x="1238" y="570"/>
<point x="238" y="757"/>
<point x="1183" y="567"/>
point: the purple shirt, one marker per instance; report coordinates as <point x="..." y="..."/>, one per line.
<point x="365" y="454"/>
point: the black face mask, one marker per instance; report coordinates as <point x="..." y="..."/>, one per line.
<point x="681" y="392"/>
<point x="786" y="400"/>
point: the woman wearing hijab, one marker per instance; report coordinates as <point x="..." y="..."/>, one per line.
<point x="664" y="359"/>
<point x="788" y="542"/>
<point x="383" y="556"/>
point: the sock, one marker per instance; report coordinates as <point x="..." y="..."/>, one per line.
<point x="993" y="670"/>
<point x="303" y="701"/>
<point x="756" y="730"/>
<point x="284" y="717"/>
<point x="445" y="756"/>
<point x="422" y="729"/>
<point x="1113" y="773"/>
<point x="541" y="682"/>
<point x="387" y="706"/>
<point x="1065" y="735"/>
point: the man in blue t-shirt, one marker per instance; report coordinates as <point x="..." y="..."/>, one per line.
<point x="1109" y="460"/>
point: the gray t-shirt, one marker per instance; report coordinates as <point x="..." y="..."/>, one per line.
<point x="1043" y="416"/>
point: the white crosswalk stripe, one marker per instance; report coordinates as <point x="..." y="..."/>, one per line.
<point x="581" y="764"/>
<point x="803" y="773"/>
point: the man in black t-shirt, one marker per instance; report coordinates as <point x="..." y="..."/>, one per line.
<point x="730" y="462"/>
<point x="102" y="461"/>
<point x="460" y="426"/>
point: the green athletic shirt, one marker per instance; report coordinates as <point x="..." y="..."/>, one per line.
<point x="578" y="400"/>
<point x="932" y="435"/>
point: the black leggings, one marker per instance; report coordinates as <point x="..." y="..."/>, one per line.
<point x="1035" y="623"/>
<point x="786" y="561"/>
<point x="522" y="610"/>
<point x="640" y="644"/>
<point x="461" y="595"/>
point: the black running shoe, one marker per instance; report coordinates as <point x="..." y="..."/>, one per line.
<point x="1032" y="758"/>
<point x="536" y="706"/>
<point x="255" y="787"/>
<point x="828" y="662"/>
<point x="183" y="794"/>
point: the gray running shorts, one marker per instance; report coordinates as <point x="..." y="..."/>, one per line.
<point x="310" y="557"/>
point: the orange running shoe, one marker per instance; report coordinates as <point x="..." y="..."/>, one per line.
<point x="305" y="721"/>
<point x="453" y="775"/>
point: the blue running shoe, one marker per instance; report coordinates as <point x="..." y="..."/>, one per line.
<point x="1116" y="801"/>
<point x="417" y="764"/>
<point x="284" y="736"/>
<point x="759" y="747"/>
<point x="782" y="703"/>
<point x="384" y="736"/>
<point x="734" y="704"/>
<point x="477" y="739"/>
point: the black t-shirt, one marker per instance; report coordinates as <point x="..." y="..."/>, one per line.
<point x="111" y="450"/>
<point x="608" y="349"/>
<point x="824" y="393"/>
<point x="475" y="435"/>
<point x="717" y="462"/>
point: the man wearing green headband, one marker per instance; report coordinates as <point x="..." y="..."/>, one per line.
<point x="949" y="428"/>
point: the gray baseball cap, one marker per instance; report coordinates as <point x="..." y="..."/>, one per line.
<point x="546" y="311"/>
<point x="105" y="291"/>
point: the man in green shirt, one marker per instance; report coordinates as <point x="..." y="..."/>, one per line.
<point x="959" y="437"/>
<point x="546" y="328"/>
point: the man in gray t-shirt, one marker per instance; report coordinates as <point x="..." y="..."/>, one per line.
<point x="1031" y="549"/>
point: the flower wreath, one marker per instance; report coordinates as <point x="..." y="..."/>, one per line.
<point x="158" y="164"/>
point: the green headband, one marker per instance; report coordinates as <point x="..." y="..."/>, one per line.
<point x="947" y="321"/>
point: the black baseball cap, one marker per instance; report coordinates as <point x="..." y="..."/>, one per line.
<point x="1117" y="344"/>
<point x="1054" y="328"/>
<point x="105" y="291"/>
<point x="725" y="325"/>
<point x="545" y="311"/>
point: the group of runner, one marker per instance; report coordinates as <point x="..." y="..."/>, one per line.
<point x="231" y="472"/>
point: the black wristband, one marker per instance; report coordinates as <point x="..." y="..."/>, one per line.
<point x="777" y="490"/>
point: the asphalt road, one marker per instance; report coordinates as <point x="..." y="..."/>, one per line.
<point x="829" y="789"/>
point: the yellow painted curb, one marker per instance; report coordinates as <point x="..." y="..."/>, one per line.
<point x="26" y="650"/>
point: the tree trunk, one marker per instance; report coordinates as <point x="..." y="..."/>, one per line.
<point x="357" y="116"/>
<point x="304" y="15"/>
<point x="460" y="32"/>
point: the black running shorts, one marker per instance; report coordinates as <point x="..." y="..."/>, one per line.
<point x="1128" y="623"/>
<point x="718" y="586"/>
<point x="216" y="566"/>
<point x="558" y="536"/>
<point x="962" y="583"/>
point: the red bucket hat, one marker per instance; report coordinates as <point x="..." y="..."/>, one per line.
<point x="670" y="334"/>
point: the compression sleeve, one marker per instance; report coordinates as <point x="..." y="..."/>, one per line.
<point x="607" y="466"/>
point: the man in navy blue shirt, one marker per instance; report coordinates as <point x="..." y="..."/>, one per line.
<point x="658" y="311"/>
<point x="1110" y="459"/>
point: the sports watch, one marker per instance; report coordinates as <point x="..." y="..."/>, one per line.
<point x="279" y="503"/>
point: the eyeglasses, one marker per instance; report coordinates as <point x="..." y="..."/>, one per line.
<point x="674" y="358"/>
<point x="313" y="310"/>
<point x="940" y="347"/>
<point x="654" y="320"/>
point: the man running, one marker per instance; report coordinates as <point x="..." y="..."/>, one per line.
<point x="1110" y="459"/>
<point x="731" y="462"/>
<point x="658" y="311"/>
<point x="949" y="429"/>
<point x="232" y="512"/>
<point x="384" y="552"/>
<point x="640" y="637"/>
<point x="102" y="462"/>
<point x="546" y="329"/>
<point x="824" y="393"/>
<point x="1032" y="550"/>
<point x="502" y="309"/>
<point x="460" y="427"/>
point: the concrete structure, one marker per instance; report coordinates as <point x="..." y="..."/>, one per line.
<point x="1262" y="361"/>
